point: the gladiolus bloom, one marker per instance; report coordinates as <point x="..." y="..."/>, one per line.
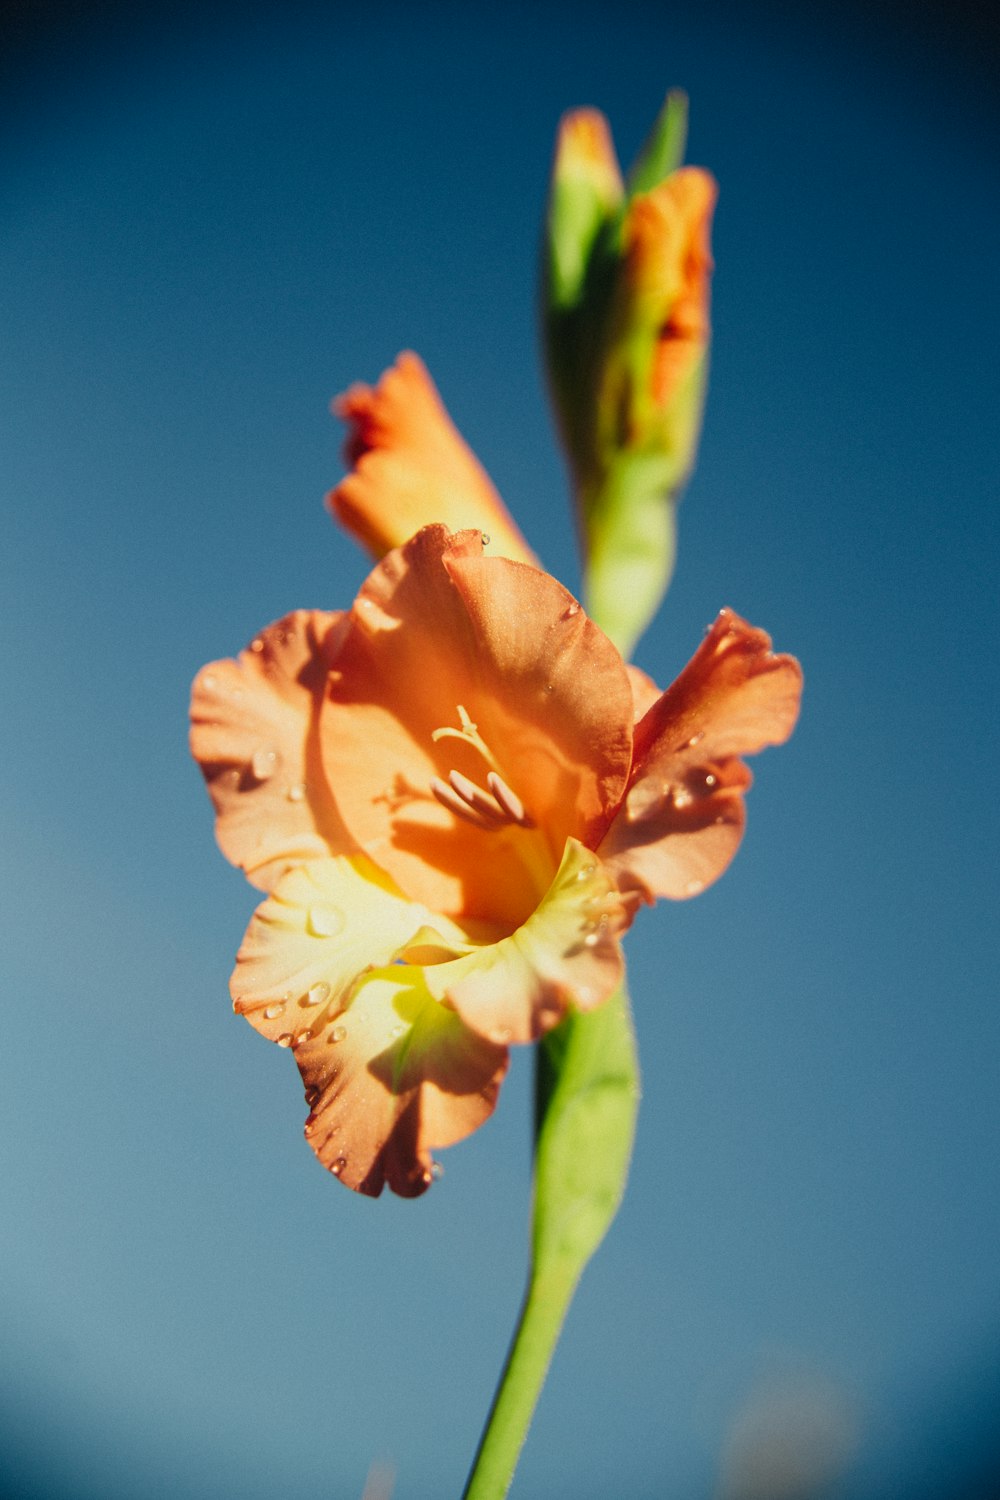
<point x="454" y="796"/>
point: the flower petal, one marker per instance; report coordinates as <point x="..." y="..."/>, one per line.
<point x="682" y="818"/>
<point x="254" y="732"/>
<point x="566" y="952"/>
<point x="399" y="1076"/>
<point x="325" y="923"/>
<point x="411" y="468"/>
<point x="439" y="629"/>
<point x="389" y="1071"/>
<point x="668" y="270"/>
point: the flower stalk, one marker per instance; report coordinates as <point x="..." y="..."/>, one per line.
<point x="587" y="1093"/>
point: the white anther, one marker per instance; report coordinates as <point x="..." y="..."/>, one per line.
<point x="450" y="799"/>
<point x="474" y="795"/>
<point x="508" y="800"/>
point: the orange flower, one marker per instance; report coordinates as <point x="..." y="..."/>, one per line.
<point x="411" y="465"/>
<point x="455" y="795"/>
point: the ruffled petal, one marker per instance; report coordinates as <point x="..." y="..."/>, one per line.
<point x="567" y="952"/>
<point x="399" y="1076"/>
<point x="411" y="468"/>
<point x="440" y="630"/>
<point x="255" y="735"/>
<point x="325" y="923"/>
<point x="682" y="819"/>
<point x="390" y="1073"/>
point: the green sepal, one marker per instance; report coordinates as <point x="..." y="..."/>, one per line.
<point x="663" y="151"/>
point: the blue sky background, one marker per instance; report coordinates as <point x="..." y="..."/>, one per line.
<point x="209" y="227"/>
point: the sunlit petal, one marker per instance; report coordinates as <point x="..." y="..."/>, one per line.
<point x="255" y="734"/>
<point x="682" y="818"/>
<point x="411" y="468"/>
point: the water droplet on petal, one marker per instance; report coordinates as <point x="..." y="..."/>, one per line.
<point x="300" y="1037"/>
<point x="272" y="1012"/>
<point x="310" y="1126"/>
<point x="437" y="1171"/>
<point x="257" y="644"/>
<point x="285" y="1039"/>
<point x="694" y="887"/>
<point x="338" y="1033"/>
<point x="209" y="682"/>
<point x="571" y="610"/>
<point x="325" y="921"/>
<point x="264" y="762"/>
<point x="486" y="539"/>
<point x="312" y="1095"/>
<point x="297" y="792"/>
<point x="338" y="1166"/>
<point x="501" y="1034"/>
<point x="680" y="796"/>
<point x="319" y="994"/>
<point x="397" y="1031"/>
<point x="592" y="939"/>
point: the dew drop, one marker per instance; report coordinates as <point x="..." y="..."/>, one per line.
<point x="297" y="792"/>
<point x="272" y="1012"/>
<point x="501" y="1034"/>
<point x="319" y="994"/>
<point x="680" y="796"/>
<point x="325" y="921"/>
<point x="257" y="644"/>
<point x="585" y="872"/>
<point x="338" y="1166"/>
<point x="312" y="1096"/>
<point x="285" y="1039"/>
<point x="550" y="687"/>
<point x="693" y="887"/>
<point x="592" y="939"/>
<point x="571" y="610"/>
<point x="310" y="1126"/>
<point x="397" y="1031"/>
<point x="486" y="538"/>
<point x="209" y="682"/>
<point x="300" y="1037"/>
<point x="711" y="780"/>
<point x="338" y="1033"/>
<point x="264" y="763"/>
<point x="437" y="1171"/>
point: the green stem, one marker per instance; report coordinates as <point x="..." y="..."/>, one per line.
<point x="540" y="1323"/>
<point x="587" y="1097"/>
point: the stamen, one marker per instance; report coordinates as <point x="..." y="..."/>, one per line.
<point x="494" y="809"/>
<point x="476" y="797"/>
<point x="508" y="800"/>
<point x="450" y="799"/>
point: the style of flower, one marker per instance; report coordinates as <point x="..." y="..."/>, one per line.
<point x="454" y="796"/>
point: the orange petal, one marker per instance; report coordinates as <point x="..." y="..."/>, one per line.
<point x="567" y="952"/>
<point x="398" y="1076"/>
<point x="389" y="1072"/>
<point x="668" y="270"/>
<point x="440" y="629"/>
<point x="411" y="468"/>
<point x="682" y="818"/>
<point x="254" y="732"/>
